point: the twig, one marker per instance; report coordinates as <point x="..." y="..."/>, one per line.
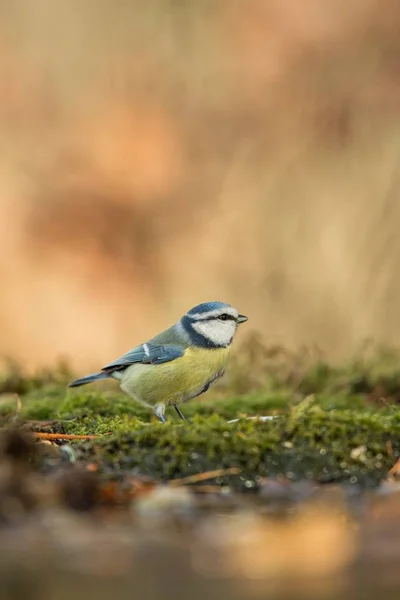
<point x="204" y="476"/>
<point x="62" y="436"/>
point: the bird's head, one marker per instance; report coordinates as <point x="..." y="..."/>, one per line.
<point x="212" y="324"/>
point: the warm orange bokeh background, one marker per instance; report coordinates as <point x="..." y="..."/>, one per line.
<point x="157" y="154"/>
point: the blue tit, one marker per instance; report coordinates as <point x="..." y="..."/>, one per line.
<point x="178" y="364"/>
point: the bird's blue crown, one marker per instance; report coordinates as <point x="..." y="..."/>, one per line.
<point x="206" y="307"/>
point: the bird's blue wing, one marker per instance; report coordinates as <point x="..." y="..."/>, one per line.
<point x="147" y="354"/>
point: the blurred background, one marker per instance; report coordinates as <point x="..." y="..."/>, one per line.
<point x="154" y="155"/>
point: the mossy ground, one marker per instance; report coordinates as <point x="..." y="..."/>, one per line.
<point x="333" y="423"/>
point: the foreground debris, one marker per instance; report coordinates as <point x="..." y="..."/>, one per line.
<point x="70" y="529"/>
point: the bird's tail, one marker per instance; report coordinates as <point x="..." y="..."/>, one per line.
<point x="89" y="379"/>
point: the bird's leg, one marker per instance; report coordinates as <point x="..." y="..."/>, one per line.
<point x="180" y="413"/>
<point x="159" y="410"/>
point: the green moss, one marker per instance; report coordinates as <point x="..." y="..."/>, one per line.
<point x="85" y="402"/>
<point x="57" y="402"/>
<point x="330" y="422"/>
<point x="325" y="446"/>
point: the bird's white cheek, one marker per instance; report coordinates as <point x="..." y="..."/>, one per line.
<point x="219" y="333"/>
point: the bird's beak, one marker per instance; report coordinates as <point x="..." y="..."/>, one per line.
<point x="242" y="318"/>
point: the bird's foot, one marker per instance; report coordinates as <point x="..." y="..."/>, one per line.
<point x="159" y="410"/>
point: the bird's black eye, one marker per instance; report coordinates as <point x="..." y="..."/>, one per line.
<point x="223" y="317"/>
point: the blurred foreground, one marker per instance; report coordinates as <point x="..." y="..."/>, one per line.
<point x="156" y="155"/>
<point x="64" y="536"/>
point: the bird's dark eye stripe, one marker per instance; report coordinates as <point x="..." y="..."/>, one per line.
<point x="226" y="317"/>
<point x="223" y="317"/>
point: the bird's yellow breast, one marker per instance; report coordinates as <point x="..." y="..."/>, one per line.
<point x="176" y="381"/>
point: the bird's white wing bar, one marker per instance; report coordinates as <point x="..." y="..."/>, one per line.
<point x="147" y="353"/>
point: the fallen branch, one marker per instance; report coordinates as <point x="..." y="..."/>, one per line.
<point x="204" y="476"/>
<point x="62" y="436"/>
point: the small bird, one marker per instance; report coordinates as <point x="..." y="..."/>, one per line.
<point x="178" y="364"/>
